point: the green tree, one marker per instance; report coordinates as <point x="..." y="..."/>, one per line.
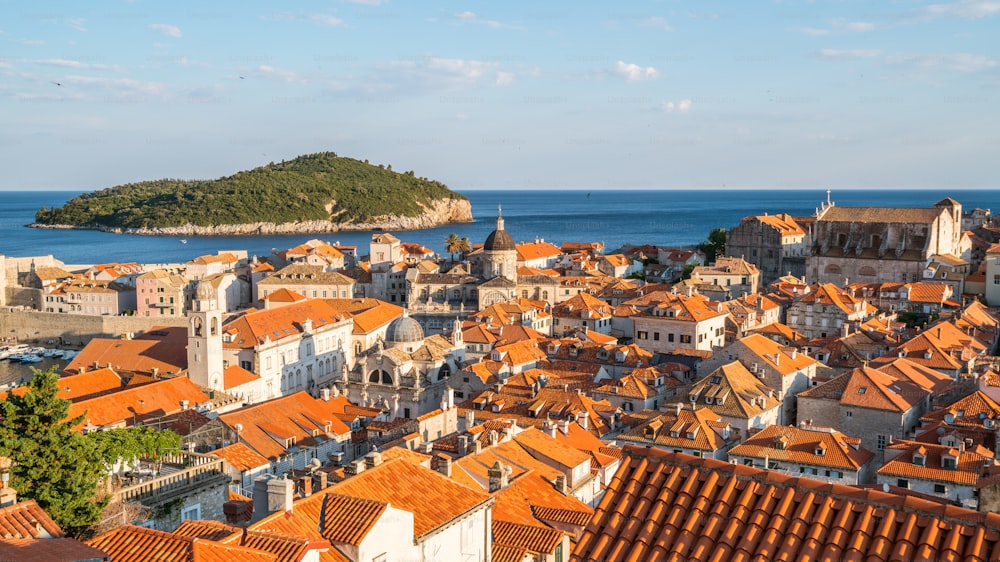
<point x="452" y="245"/>
<point x="57" y="467"/>
<point x="715" y="246"/>
<point x="464" y="246"/>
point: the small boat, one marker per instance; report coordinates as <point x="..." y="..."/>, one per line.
<point x="30" y="358"/>
<point x="67" y="355"/>
<point x="184" y="241"/>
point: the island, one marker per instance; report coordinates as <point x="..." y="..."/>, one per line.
<point x="313" y="193"/>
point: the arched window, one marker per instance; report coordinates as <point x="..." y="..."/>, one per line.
<point x="380" y="376"/>
<point x="867" y="270"/>
<point x="444" y="372"/>
<point x="197" y="326"/>
<point x="214" y="327"/>
<point x="833" y="269"/>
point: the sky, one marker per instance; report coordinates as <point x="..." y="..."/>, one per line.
<point x="490" y="95"/>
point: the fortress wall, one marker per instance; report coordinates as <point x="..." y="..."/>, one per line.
<point x="29" y="326"/>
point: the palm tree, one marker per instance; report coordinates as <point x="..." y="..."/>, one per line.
<point x="464" y="246"/>
<point x="452" y="244"/>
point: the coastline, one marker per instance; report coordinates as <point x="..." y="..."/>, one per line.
<point x="442" y="212"/>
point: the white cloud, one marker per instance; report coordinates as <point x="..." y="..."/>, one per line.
<point x="166" y="29"/>
<point x="847" y="54"/>
<point x="859" y="26"/>
<point x="320" y="19"/>
<point x="658" y="22"/>
<point x="958" y="62"/>
<point x="365" y="2"/>
<point x="634" y="73"/>
<point x="682" y="106"/>
<point x="123" y="86"/>
<point x="814" y="31"/>
<point x="839" y="26"/>
<point x="966" y="9"/>
<point x="75" y="64"/>
<point x="505" y="78"/>
<point x="188" y="63"/>
<point x="78" y="24"/>
<point x="472" y="17"/>
<point x="279" y="74"/>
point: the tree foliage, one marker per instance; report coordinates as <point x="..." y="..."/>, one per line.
<point x="62" y="469"/>
<point x="57" y="467"/>
<point x="715" y="246"/>
<point x="319" y="186"/>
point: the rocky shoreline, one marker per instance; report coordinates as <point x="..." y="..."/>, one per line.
<point x="441" y="212"/>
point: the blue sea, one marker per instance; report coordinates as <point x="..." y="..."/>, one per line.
<point x="660" y="217"/>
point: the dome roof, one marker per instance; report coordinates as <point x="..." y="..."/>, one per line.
<point x="404" y="330"/>
<point x="499" y="240"/>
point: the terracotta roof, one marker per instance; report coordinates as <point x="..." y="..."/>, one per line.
<point x="881" y="215"/>
<point x="536" y="250"/>
<point x="408" y="486"/>
<point x="205" y="529"/>
<point x="968" y="466"/>
<point x="540" y="443"/>
<point x="532" y="538"/>
<point x="267" y="425"/>
<point x="274" y="324"/>
<point x="970" y="411"/>
<point x="506" y="553"/>
<point x="629" y="387"/>
<point x="733" y="391"/>
<point x="235" y="375"/>
<point x="139" y="403"/>
<point x="801" y="446"/>
<point x="285" y="295"/>
<point x="928" y="379"/>
<point x="700" y="429"/>
<point x="790" y="360"/>
<point x="868" y="388"/>
<point x="661" y="505"/>
<point x="783" y="223"/>
<point x="48" y="550"/>
<point x="27" y="520"/>
<point x="241" y="457"/>
<point x="161" y="348"/>
<point x="138" y="544"/>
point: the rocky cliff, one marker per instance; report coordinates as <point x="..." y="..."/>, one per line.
<point x="440" y="212"/>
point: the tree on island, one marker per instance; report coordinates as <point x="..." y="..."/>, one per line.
<point x="60" y="468"/>
<point x="715" y="246"/>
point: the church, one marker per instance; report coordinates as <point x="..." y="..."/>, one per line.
<point x="436" y="300"/>
<point x="882" y="244"/>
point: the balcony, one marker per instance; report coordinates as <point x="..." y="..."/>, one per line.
<point x="173" y="476"/>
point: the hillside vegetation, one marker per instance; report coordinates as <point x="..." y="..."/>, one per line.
<point x="313" y="187"/>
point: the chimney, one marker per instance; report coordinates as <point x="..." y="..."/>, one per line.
<point x="324" y="393"/>
<point x="561" y="484"/>
<point x="307" y="485"/>
<point x="155" y="372"/>
<point x="320" y="480"/>
<point x="373" y="459"/>
<point x="463" y="445"/>
<point x="470" y="419"/>
<point x="185" y="404"/>
<point x="355" y="467"/>
<point x="477" y="446"/>
<point x="678" y="407"/>
<point x="280" y="493"/>
<point x="8" y="495"/>
<point x="584" y="420"/>
<point x="444" y="465"/>
<point x="499" y="476"/>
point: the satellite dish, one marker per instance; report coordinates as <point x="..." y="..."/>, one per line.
<point x="238" y="427"/>
<point x="315" y="463"/>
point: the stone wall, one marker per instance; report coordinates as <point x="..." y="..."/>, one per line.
<point x="209" y="500"/>
<point x="31" y="326"/>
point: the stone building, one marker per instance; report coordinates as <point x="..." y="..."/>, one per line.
<point x="776" y="244"/>
<point x="875" y="244"/>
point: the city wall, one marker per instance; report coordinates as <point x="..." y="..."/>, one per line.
<point x="31" y="326"/>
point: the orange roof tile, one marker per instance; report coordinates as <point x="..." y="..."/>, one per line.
<point x="138" y="544"/>
<point x="967" y="470"/>
<point x="235" y="375"/>
<point x="138" y="403"/>
<point x="530" y="537"/>
<point x="266" y="426"/>
<point x="661" y="505"/>
<point x="251" y="328"/>
<point x="733" y="391"/>
<point x="164" y="349"/>
<point x="800" y="446"/>
<point x="241" y="457"/>
<point x="408" y="486"/>
<point x="27" y="520"/>
<point x="868" y="388"/>
<point x="790" y="360"/>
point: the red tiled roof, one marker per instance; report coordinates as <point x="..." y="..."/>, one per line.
<point x="27" y="520"/>
<point x="661" y="505"/>
<point x="138" y="544"/>
<point x="160" y="348"/>
<point x="241" y="457"/>
<point x="141" y="402"/>
<point x="408" y="486"/>
<point x="266" y="425"/>
<point x="800" y="446"/>
<point x="530" y="537"/>
<point x="48" y="550"/>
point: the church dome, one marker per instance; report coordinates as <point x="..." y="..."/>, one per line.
<point x="404" y="330"/>
<point x="499" y="239"/>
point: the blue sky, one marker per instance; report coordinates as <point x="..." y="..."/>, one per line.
<point x="587" y="95"/>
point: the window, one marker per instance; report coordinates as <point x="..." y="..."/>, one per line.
<point x="670" y="337"/>
<point x="940" y="489"/>
<point x="849" y="413"/>
<point x="903" y="483"/>
<point x="881" y="441"/>
<point x="656" y="336"/>
<point x="685" y="338"/>
<point x="642" y="335"/>
<point x="192" y="512"/>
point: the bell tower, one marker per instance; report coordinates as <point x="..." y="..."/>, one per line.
<point x="204" y="349"/>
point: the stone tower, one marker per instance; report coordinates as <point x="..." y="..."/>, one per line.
<point x="500" y="253"/>
<point x="204" y="350"/>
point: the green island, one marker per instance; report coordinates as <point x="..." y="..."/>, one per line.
<point x="322" y="190"/>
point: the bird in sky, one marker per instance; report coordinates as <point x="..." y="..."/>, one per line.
<point x="57" y="83"/>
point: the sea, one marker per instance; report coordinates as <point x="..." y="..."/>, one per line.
<point x="673" y="218"/>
